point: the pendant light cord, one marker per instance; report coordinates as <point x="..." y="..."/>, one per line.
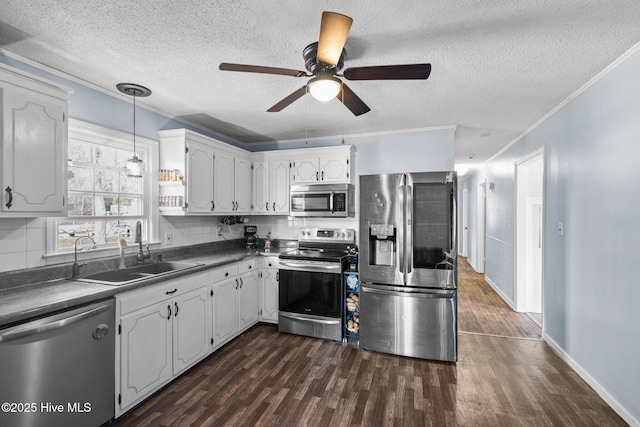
<point x="134" y="124"/>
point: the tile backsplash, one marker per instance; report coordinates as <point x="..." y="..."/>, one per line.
<point x="23" y="241"/>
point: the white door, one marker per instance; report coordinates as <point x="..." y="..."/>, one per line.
<point x="269" y="296"/>
<point x="480" y="236"/>
<point x="225" y="311"/>
<point x="305" y="171"/>
<point x="279" y="186"/>
<point x="224" y="187"/>
<point x="33" y="152"/>
<point x="242" y="180"/>
<point x="199" y="186"/>
<point x="465" y="222"/>
<point x="145" y="352"/>
<point x="249" y="304"/>
<point x="191" y="336"/>
<point x="261" y="187"/>
<point x="334" y="169"/>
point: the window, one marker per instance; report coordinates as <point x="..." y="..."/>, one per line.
<point x="102" y="201"/>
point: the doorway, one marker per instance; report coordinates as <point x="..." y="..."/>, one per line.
<point x="530" y="235"/>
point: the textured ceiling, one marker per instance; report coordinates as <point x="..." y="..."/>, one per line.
<point x="498" y="66"/>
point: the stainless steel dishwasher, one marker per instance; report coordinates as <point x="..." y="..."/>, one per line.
<point x="59" y="370"/>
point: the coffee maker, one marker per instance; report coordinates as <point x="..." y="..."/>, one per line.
<point x="250" y="236"/>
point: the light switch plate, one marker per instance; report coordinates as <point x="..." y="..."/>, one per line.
<point x="168" y="239"/>
<point x="560" y="229"/>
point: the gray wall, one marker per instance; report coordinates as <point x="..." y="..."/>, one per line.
<point x="591" y="292"/>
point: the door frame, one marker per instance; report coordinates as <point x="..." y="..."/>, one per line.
<point x="521" y="202"/>
<point x="481" y="208"/>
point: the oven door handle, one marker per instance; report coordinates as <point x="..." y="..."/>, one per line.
<point x="314" y="319"/>
<point x="301" y="266"/>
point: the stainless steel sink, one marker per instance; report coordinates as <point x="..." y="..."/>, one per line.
<point x="134" y="274"/>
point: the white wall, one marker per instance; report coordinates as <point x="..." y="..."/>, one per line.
<point x="591" y="291"/>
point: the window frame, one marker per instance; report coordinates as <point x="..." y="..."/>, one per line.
<point x="148" y="151"/>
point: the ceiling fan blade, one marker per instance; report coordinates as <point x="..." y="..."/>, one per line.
<point x="225" y="66"/>
<point x="288" y="100"/>
<point x="333" y="34"/>
<point x="352" y="101"/>
<point x="389" y="72"/>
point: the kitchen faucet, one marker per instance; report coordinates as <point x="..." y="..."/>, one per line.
<point x="141" y="256"/>
<point x="76" y="267"/>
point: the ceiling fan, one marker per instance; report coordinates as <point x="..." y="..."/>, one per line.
<point x="324" y="59"/>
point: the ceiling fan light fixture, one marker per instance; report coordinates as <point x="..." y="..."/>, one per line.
<point x="324" y="88"/>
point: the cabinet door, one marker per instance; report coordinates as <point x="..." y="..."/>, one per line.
<point x="248" y="291"/>
<point x="191" y="322"/>
<point x="224" y="187"/>
<point x="334" y="169"/>
<point x="279" y="187"/>
<point x="261" y="187"/>
<point x="269" y="303"/>
<point x="145" y="352"/>
<point x="225" y="311"/>
<point x="199" y="191"/>
<point x="34" y="149"/>
<point x="305" y="171"/>
<point x="242" y="185"/>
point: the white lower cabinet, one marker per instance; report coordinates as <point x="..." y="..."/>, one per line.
<point x="235" y="303"/>
<point x="162" y="330"/>
<point x="269" y="276"/>
<point x="165" y="329"/>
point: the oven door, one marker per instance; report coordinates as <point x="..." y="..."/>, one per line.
<point x="310" y="302"/>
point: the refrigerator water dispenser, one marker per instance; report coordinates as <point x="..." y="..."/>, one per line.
<point x="382" y="244"/>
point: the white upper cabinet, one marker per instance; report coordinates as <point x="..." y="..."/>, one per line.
<point x="33" y="138"/>
<point x="330" y="165"/>
<point x="232" y="183"/>
<point x="199" y="183"/>
<point x="271" y="187"/>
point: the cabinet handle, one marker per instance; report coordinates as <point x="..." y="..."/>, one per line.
<point x="237" y="283"/>
<point x="213" y="205"/>
<point x="171" y="292"/>
<point x="274" y="206"/>
<point x="277" y="276"/>
<point x="169" y="308"/>
<point x="250" y="267"/>
<point x="322" y="175"/>
<point x="317" y="176"/>
<point x="267" y="206"/>
<point x="176" y="306"/>
<point x="241" y="282"/>
<point x="9" y="203"/>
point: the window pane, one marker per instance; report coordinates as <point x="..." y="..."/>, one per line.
<point x="80" y="178"/>
<point x="103" y="155"/>
<point x="123" y="156"/>
<point x="106" y="180"/>
<point x="79" y="151"/>
<point x="69" y="231"/>
<point x="80" y="205"/>
<point x="130" y="185"/>
<point x="118" y="206"/>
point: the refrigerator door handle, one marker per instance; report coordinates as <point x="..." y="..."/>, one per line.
<point x="400" y="228"/>
<point x="408" y="248"/>
<point x="408" y="293"/>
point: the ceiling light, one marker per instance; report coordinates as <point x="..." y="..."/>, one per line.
<point x="134" y="166"/>
<point x="324" y="88"/>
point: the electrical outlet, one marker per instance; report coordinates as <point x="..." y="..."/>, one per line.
<point x="219" y="230"/>
<point x="168" y="239"/>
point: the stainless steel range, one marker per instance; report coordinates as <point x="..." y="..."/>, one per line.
<point x="311" y="283"/>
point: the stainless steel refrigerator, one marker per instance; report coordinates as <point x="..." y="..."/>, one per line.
<point x="408" y="264"/>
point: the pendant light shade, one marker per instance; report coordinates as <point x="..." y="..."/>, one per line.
<point x="134" y="165"/>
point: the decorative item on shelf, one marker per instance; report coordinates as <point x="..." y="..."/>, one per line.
<point x="170" y="201"/>
<point x="171" y="175"/>
<point x="134" y="165"/>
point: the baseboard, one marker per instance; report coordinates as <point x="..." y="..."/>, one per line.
<point x="595" y="385"/>
<point x="500" y="293"/>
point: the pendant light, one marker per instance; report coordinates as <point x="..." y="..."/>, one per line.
<point x="134" y="165"/>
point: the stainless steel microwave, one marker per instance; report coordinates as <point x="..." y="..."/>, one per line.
<point x="334" y="201"/>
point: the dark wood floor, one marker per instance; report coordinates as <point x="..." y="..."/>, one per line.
<point x="481" y="310"/>
<point x="265" y="378"/>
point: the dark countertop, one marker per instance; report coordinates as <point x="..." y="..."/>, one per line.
<point x="21" y="303"/>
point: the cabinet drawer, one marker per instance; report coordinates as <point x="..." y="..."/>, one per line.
<point x="153" y="294"/>
<point x="222" y="273"/>
<point x="270" y="262"/>
<point x="248" y="266"/>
